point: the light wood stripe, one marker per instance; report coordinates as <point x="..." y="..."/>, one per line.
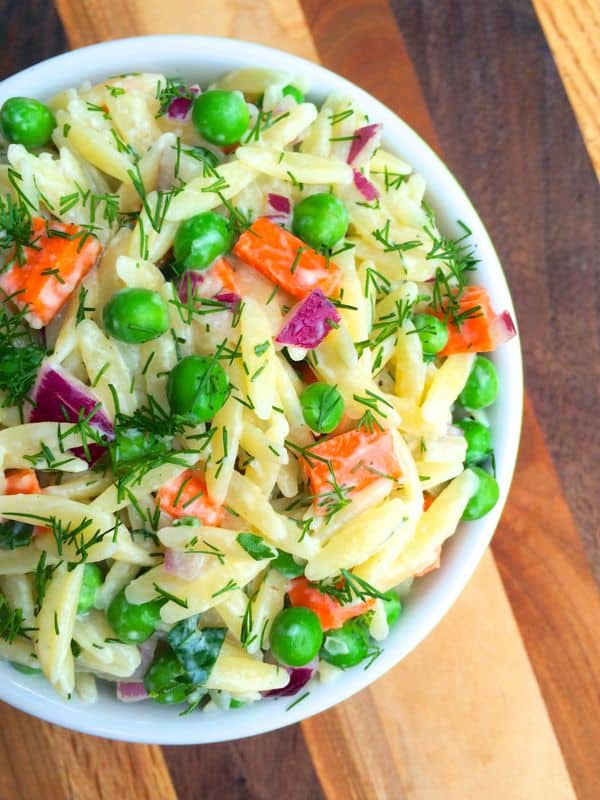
<point x="572" y="28"/>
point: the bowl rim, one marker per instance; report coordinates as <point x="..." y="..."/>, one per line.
<point x="441" y="588"/>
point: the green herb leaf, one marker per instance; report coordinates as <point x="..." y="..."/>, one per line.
<point x="196" y="649"/>
<point x="256" y="547"/>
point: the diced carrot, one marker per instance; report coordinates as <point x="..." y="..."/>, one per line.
<point x="356" y="459"/>
<point x="21" y="481"/>
<point x="478" y="333"/>
<point x="186" y="496"/>
<point x="286" y="260"/>
<point x="427" y="500"/>
<point x="62" y="253"/>
<point x="331" y="613"/>
<point x="223" y="270"/>
<point x="430" y="567"/>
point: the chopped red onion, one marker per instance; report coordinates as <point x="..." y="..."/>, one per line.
<point x="186" y="566"/>
<point x="299" y="677"/>
<point x="179" y="108"/>
<point x="195" y="89"/>
<point x="279" y="202"/>
<point x="191" y="279"/>
<point x="280" y="219"/>
<point x="504" y="328"/>
<point x="309" y="321"/>
<point x="147" y="650"/>
<point x="59" y="397"/>
<point x="365" y="140"/>
<point x="131" y="692"/>
<point x="230" y="299"/>
<point x="364" y="186"/>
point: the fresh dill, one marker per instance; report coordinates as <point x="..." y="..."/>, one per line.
<point x="11" y="621"/>
<point x="16" y="230"/>
<point x="168" y="597"/>
<point x="450" y="281"/>
<point x="21" y="354"/>
<point x="172" y="89"/>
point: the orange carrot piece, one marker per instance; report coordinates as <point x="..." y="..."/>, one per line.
<point x="21" y="481"/>
<point x="286" y="260"/>
<point x="52" y="269"/>
<point x="330" y="612"/>
<point x="476" y="334"/>
<point x="427" y="500"/>
<point x="186" y="496"/>
<point x="223" y="270"/>
<point x="430" y="567"/>
<point x="357" y="458"/>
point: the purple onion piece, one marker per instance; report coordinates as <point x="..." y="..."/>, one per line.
<point x="363" y="137"/>
<point x="508" y="325"/>
<point x="279" y="202"/>
<point x="280" y="219"/>
<point x="191" y="279"/>
<point x="309" y="321"/>
<point x="299" y="677"/>
<point x="230" y="299"/>
<point x="147" y="650"/>
<point x="131" y="692"/>
<point x="179" y="108"/>
<point x="59" y="397"/>
<point x="364" y="186"/>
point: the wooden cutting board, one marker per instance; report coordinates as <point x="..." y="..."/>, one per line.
<point x="470" y="713"/>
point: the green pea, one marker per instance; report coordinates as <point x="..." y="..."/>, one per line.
<point x="197" y="387"/>
<point x="233" y="703"/>
<point x="320" y="220"/>
<point x="294" y="92"/>
<point x="220" y="117"/>
<point x="481" y="388"/>
<point x="287" y="565"/>
<point x="14" y="534"/>
<point x="201" y="239"/>
<point x="131" y="622"/>
<point x="479" y="440"/>
<point x="485" y="496"/>
<point x="296" y="636"/>
<point x="392" y="606"/>
<point x="92" y="580"/>
<point x="136" y="315"/>
<point x="322" y="407"/>
<point x="432" y="332"/>
<point x="27" y="121"/>
<point x="166" y="680"/>
<point x="132" y="444"/>
<point x="346" y="646"/>
<point x="25" y="670"/>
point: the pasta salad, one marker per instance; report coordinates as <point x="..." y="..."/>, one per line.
<point x="242" y="401"/>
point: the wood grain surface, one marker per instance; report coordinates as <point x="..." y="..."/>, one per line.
<point x="572" y="28"/>
<point x="467" y="695"/>
<point x="511" y="138"/>
<point x="537" y="544"/>
<point x="39" y="761"/>
<point x="421" y="731"/>
<point x="272" y="22"/>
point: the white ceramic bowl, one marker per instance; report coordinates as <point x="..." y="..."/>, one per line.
<point x="203" y="59"/>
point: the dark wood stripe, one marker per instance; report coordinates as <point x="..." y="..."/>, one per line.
<point x="511" y="137"/>
<point x="29" y="32"/>
<point x="273" y="765"/>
